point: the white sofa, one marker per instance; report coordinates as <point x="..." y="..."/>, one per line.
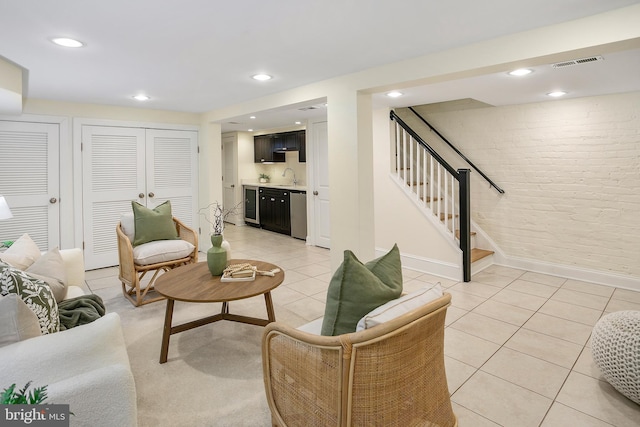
<point x="86" y="367"/>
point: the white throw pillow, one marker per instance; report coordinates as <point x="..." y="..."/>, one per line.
<point x="17" y="321"/>
<point x="400" y="306"/>
<point x="128" y="225"/>
<point x="22" y="253"/>
<point x="161" y="251"/>
<point x="50" y="268"/>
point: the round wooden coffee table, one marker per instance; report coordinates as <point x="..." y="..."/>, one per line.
<point x="194" y="283"/>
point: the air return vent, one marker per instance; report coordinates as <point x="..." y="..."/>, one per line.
<point x="308" y="108"/>
<point x="577" y="61"/>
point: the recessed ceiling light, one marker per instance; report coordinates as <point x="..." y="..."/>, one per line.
<point x="252" y="117"/>
<point x="249" y="130"/>
<point x="261" y="77"/>
<point x="557" y="93"/>
<point x="298" y="123"/>
<point x="141" y="97"/>
<point x="394" y="94"/>
<point x="520" y="72"/>
<point x="67" y="42"/>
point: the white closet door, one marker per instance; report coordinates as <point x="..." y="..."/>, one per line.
<point x="172" y="172"/>
<point x="30" y="181"/>
<point x="113" y="176"/>
<point x="321" y="193"/>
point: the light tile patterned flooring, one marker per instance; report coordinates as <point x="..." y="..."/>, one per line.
<point x="516" y="342"/>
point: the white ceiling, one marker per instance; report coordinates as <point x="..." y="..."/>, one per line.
<point x="198" y="55"/>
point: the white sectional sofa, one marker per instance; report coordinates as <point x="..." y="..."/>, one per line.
<point x="86" y="367"/>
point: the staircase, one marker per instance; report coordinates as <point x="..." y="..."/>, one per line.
<point x="440" y="192"/>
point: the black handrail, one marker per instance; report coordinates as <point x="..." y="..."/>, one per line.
<point x="493" y="184"/>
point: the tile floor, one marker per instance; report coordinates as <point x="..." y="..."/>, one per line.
<point x="516" y="342"/>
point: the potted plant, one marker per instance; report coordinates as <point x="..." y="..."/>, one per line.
<point x="264" y="177"/>
<point x="21" y="397"/>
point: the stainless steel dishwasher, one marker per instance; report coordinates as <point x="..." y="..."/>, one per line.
<point x="298" y="206"/>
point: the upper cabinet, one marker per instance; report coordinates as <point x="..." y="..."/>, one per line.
<point x="263" y="150"/>
<point x="272" y="148"/>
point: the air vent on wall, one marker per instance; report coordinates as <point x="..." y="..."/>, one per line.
<point x="577" y="61"/>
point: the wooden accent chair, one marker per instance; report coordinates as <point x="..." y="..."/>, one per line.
<point x="390" y="375"/>
<point x="132" y="272"/>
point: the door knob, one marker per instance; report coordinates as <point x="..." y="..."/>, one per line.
<point x="315" y="193"/>
<point x="151" y="194"/>
<point x="141" y="196"/>
<point x="53" y="200"/>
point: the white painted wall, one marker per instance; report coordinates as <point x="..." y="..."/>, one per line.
<point x="571" y="172"/>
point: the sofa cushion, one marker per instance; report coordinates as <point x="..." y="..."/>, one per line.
<point x="86" y="367"/>
<point x="153" y="224"/>
<point x="35" y="293"/>
<point x="355" y="289"/>
<point x="50" y="268"/>
<point x="22" y="253"/>
<point x="17" y="321"/>
<point x="400" y="306"/>
<point x="161" y="251"/>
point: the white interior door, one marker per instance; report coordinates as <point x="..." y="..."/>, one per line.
<point x="121" y="164"/>
<point x="229" y="177"/>
<point x="172" y="172"/>
<point x="113" y="176"/>
<point x="30" y="181"/>
<point x="320" y="192"/>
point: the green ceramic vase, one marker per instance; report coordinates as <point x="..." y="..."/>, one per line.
<point x="216" y="256"/>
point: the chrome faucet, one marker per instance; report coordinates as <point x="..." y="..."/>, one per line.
<point x="295" y="181"/>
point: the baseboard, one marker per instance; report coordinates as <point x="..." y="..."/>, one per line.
<point x="570" y="272"/>
<point x="427" y="266"/>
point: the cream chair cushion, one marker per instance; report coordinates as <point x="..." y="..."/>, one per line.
<point x="157" y="251"/>
<point x="400" y="306"/>
<point x="394" y="308"/>
<point x="161" y="251"/>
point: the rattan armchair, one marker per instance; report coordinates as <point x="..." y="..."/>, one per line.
<point x="131" y="274"/>
<point x="390" y="375"/>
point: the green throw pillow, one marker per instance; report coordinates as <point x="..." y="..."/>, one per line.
<point x="153" y="224"/>
<point x="35" y="293"/>
<point x="356" y="289"/>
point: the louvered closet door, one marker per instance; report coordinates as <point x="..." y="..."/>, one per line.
<point x="172" y="172"/>
<point x="113" y="176"/>
<point x="30" y="181"/>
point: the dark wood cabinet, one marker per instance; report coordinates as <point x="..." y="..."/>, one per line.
<point x="264" y="151"/>
<point x="272" y="147"/>
<point x="275" y="213"/>
<point x="302" y="144"/>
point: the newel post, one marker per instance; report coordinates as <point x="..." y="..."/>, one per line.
<point x="465" y="221"/>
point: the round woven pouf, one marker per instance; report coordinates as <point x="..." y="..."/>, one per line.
<point x="615" y="347"/>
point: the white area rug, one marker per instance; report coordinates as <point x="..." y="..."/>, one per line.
<point x="213" y="376"/>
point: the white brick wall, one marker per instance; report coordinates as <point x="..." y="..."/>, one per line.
<point x="571" y="172"/>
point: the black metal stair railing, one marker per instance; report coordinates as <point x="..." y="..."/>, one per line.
<point x="434" y="130"/>
<point x="433" y="182"/>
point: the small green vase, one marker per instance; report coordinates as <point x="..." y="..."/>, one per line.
<point x="216" y="256"/>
